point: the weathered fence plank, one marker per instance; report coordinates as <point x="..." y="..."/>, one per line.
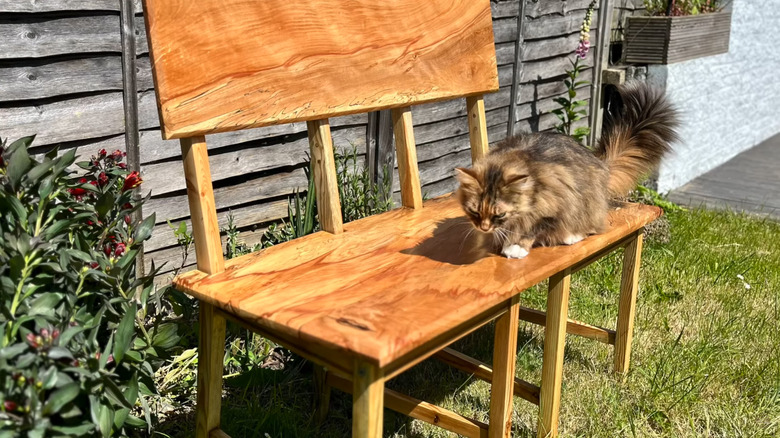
<point x="168" y="176"/>
<point x="38" y="37"/>
<point x="38" y="79"/>
<point x="62" y="5"/>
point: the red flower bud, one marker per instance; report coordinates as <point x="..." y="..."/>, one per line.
<point x="9" y="405"/>
<point x="32" y="340"/>
<point x="94" y="265"/>
<point x="55" y="334"/>
<point x="102" y="179"/>
<point x="120" y="249"/>
<point x="122" y="165"/>
<point x="132" y="181"/>
<point x="107" y="250"/>
<point x="128" y="219"/>
<point x="82" y="180"/>
<point x="102" y="153"/>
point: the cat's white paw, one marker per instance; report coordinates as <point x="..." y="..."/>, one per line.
<point x="514" y="251"/>
<point x="571" y="239"/>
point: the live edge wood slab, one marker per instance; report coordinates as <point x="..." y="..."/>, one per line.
<point x="390" y="286"/>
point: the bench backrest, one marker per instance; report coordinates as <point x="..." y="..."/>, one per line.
<point x="225" y="65"/>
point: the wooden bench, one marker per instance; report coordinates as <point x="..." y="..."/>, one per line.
<point x="369" y="299"/>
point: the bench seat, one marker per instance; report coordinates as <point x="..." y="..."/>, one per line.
<point x="390" y="284"/>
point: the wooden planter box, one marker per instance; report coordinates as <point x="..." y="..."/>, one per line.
<point x="666" y="40"/>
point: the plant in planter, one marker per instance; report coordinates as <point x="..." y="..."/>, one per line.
<point x="677" y="30"/>
<point x="80" y="332"/>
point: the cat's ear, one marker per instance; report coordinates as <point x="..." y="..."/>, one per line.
<point x="467" y="177"/>
<point x="517" y="181"/>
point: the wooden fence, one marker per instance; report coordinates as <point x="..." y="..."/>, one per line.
<point x="61" y="78"/>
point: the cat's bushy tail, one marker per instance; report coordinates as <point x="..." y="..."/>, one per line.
<point x="634" y="142"/>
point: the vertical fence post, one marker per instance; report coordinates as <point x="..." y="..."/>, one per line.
<point x="518" y="69"/>
<point x="130" y="100"/>
<point x="601" y="61"/>
<point x="380" y="154"/>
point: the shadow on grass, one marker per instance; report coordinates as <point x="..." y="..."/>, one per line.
<point x="272" y="403"/>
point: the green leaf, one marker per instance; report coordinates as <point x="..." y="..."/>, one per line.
<point x="57" y="353"/>
<point x="104" y="204"/>
<point x="19" y="161"/>
<point x="114" y="393"/>
<point x="145" y="229"/>
<point x="64" y="161"/>
<point x="134" y="421"/>
<point x="17" y="209"/>
<point x="106" y="420"/>
<point x="45" y="303"/>
<point x="166" y="336"/>
<point x="106" y="352"/>
<point x="39" y="171"/>
<point x="61" y="397"/>
<point x="124" y="333"/>
<point x="12" y="351"/>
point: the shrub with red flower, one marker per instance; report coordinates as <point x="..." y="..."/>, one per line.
<point x="78" y="337"/>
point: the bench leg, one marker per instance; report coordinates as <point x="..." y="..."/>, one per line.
<point x="368" y="395"/>
<point x="554" y="343"/>
<point x="211" y="351"/>
<point x="321" y="394"/>
<point x="503" y="381"/>
<point x="629" y="285"/>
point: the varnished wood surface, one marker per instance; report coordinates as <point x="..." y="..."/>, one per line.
<point x="629" y="287"/>
<point x="389" y="283"/>
<point x="406" y="153"/>
<point x="325" y="180"/>
<point x="552" y="362"/>
<point x="502" y="382"/>
<point x="200" y="195"/>
<point x="482" y="371"/>
<point x="211" y="352"/>
<point x="368" y="396"/>
<point x="421" y="410"/>
<point x="222" y="65"/>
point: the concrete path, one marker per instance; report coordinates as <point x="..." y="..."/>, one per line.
<point x="749" y="182"/>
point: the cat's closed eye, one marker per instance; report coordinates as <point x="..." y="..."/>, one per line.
<point x="499" y="216"/>
<point x="472" y="213"/>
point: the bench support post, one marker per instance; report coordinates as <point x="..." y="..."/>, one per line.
<point x="478" y="134"/>
<point x="211" y="351"/>
<point x="208" y="251"/>
<point x="406" y="152"/>
<point x="321" y="393"/>
<point x="554" y="342"/>
<point x="503" y="381"/>
<point x="629" y="285"/>
<point x="368" y="395"/>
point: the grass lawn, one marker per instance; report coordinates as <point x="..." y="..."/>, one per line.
<point x="705" y="362"/>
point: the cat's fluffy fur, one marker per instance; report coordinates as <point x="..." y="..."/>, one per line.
<point x="547" y="189"/>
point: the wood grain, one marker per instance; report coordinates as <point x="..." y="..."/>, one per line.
<point x="218" y="433"/>
<point x="38" y="38"/>
<point x="478" y="135"/>
<point x="406" y="154"/>
<point x="552" y="364"/>
<point x="262" y="63"/>
<point x="368" y="396"/>
<point x="422" y="411"/>
<point x="629" y="287"/>
<point x="423" y="275"/>
<point x="325" y="183"/>
<point x="205" y="228"/>
<point x="482" y="371"/>
<point x="211" y="352"/>
<point x="503" y="381"/>
<point x="573" y="327"/>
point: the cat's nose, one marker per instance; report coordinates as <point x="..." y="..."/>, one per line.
<point x="484" y="226"/>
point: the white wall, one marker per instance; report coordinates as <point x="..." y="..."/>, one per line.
<point x="729" y="102"/>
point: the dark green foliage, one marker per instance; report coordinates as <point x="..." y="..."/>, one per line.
<point x="81" y="334"/>
<point x="571" y="109"/>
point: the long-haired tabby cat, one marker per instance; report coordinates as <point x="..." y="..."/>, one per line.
<point x="547" y="189"/>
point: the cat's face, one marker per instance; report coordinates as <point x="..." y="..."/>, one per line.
<point x="492" y="197"/>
